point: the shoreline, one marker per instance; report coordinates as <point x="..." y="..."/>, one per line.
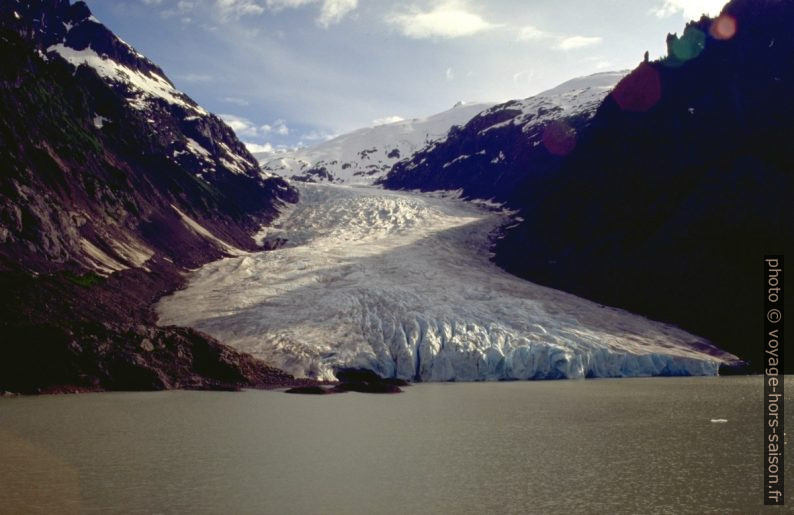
<point x="102" y="335"/>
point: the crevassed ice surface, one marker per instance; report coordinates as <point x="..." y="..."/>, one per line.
<point x="402" y="284"/>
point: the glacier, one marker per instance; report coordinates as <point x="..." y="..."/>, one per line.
<point x="401" y="283"/>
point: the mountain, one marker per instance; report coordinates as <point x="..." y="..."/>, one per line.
<point x="491" y="154"/>
<point x="665" y="201"/>
<point x="113" y="184"/>
<point x="365" y="155"/>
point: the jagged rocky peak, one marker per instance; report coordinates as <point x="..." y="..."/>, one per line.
<point x="51" y="22"/>
<point x="197" y="139"/>
<point x="125" y="152"/>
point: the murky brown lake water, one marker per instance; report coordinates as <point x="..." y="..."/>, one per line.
<point x="594" y="446"/>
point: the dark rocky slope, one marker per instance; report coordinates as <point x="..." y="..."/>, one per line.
<point x="675" y="189"/>
<point x="491" y="155"/>
<point x="112" y="184"/>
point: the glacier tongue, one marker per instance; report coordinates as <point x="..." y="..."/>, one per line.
<point x="401" y="284"/>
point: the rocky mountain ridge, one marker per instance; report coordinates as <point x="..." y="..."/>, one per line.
<point x="490" y="155"/>
<point x="113" y="184"/>
<point x="366" y="155"/>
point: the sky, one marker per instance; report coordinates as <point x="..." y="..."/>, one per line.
<point x="286" y="73"/>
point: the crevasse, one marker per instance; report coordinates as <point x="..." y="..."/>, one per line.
<point x="401" y="283"/>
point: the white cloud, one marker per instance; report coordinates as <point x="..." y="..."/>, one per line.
<point x="523" y="76"/>
<point x="196" y="77"/>
<point x="331" y="11"/>
<point x="249" y="131"/>
<point x="689" y="9"/>
<point x="238" y="8"/>
<point x="278" y="127"/>
<point x="530" y="33"/>
<point x="242" y="126"/>
<point x="334" y="10"/>
<point x="572" y="42"/>
<point x="449" y="74"/>
<point x="450" y="19"/>
<point x="180" y="8"/>
<point x="256" y="147"/>
<point x="277" y="5"/>
<point x="387" y="119"/>
<point x="246" y="128"/>
<point x="557" y="41"/>
<point x="236" y="101"/>
<point x="317" y="135"/>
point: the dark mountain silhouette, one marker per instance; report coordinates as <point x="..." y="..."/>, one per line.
<point x="675" y="190"/>
<point x="489" y="157"/>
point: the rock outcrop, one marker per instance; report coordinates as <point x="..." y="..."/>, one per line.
<point x="113" y="184"/>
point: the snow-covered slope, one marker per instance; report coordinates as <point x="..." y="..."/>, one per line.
<point x="402" y="284"/>
<point x="365" y="155"/>
<point x="144" y="86"/>
<point x="497" y="150"/>
<point x="201" y="142"/>
<point x="579" y="95"/>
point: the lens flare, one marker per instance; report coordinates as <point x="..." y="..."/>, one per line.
<point x="559" y="138"/>
<point x="640" y="90"/>
<point x="690" y="45"/>
<point x="723" y="27"/>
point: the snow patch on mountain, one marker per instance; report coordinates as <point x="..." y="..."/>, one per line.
<point x="204" y="233"/>
<point x="498" y="150"/>
<point x="134" y="252"/>
<point x="145" y="86"/>
<point x="401" y="284"/>
<point x="99" y="121"/>
<point x="580" y="95"/>
<point x="365" y="155"/>
<point x="198" y="142"/>
<point x="195" y="147"/>
<point x="100" y="260"/>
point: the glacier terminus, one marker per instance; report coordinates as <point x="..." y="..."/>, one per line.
<point x="401" y="283"/>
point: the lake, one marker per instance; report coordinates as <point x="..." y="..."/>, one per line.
<point x="581" y="446"/>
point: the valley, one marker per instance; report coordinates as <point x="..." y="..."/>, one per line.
<point x="401" y="283"/>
